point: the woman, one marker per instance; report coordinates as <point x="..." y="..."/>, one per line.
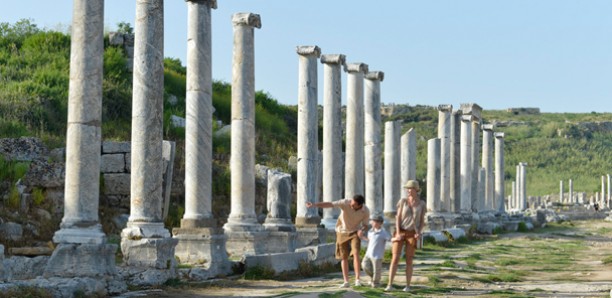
<point x="409" y="224"/>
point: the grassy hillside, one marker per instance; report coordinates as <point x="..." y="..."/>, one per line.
<point x="34" y="68"/>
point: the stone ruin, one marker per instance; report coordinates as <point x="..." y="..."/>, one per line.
<point x="463" y="192"/>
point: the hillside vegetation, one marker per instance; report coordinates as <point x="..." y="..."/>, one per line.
<point x="34" y="76"/>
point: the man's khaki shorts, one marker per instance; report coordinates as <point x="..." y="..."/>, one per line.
<point x="347" y="244"/>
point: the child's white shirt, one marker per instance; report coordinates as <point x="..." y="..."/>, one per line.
<point x="376" y="243"/>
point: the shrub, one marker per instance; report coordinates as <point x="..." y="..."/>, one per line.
<point x="38" y="196"/>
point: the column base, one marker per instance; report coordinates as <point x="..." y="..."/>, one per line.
<point x="82" y="260"/>
<point x="281" y="241"/>
<point x="202" y="247"/>
<point x="189" y="223"/>
<point x="89" y="235"/>
<point x="279" y="225"/>
<point x="307" y="236"/>
<point x="240" y="243"/>
<point x="307" y="221"/>
<point x="148" y="245"/>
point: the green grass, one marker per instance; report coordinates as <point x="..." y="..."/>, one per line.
<point x="607" y="260"/>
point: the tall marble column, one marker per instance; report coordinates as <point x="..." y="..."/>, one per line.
<point x="392" y="170"/>
<point x="407" y="170"/>
<point x="145" y="235"/>
<point x="307" y="149"/>
<point x="474" y="110"/>
<point x="481" y="189"/>
<point x="455" y="162"/>
<point x="372" y="144"/>
<point x="332" y="135"/>
<point x="444" y="134"/>
<point x="512" y="201"/>
<point x="433" y="175"/>
<point x="242" y="228"/>
<point x="608" y="196"/>
<point x="200" y="241"/>
<point x="487" y="164"/>
<point x="523" y="186"/>
<point x="561" y="192"/>
<point x="466" y="164"/>
<point x="570" y="198"/>
<point x="499" y="173"/>
<point x="199" y="110"/>
<point x="82" y="249"/>
<point x="603" y="187"/>
<point x="518" y="197"/>
<point x="354" y="159"/>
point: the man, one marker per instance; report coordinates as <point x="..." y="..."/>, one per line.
<point x="352" y="222"/>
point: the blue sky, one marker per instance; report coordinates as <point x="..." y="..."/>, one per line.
<point x="552" y="54"/>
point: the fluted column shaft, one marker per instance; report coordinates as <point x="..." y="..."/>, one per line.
<point x="433" y="175"/>
<point x="608" y="197"/>
<point x="444" y="134"/>
<point x="147" y="115"/>
<point x="603" y="187"/>
<point x="199" y="110"/>
<point x="499" y="173"/>
<point x="561" y="192"/>
<point x="372" y="144"/>
<point x="475" y="163"/>
<point x="307" y="151"/>
<point x="242" y="162"/>
<point x="487" y="164"/>
<point x="354" y="164"/>
<point x="83" y="136"/>
<point x="570" y="198"/>
<point x="332" y="134"/>
<point x="466" y="164"/>
<point x="407" y="168"/>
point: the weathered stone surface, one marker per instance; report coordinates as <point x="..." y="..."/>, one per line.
<point x="115" y="147"/>
<point x="23" y="148"/>
<point x="11" y="231"/>
<point x="279" y="262"/>
<point x="115" y="38"/>
<point x="117" y="184"/>
<point x="155" y="253"/>
<point x="90" y="260"/>
<point x="320" y="254"/>
<point x="201" y="247"/>
<point x="2" y="273"/>
<point x="45" y="174"/>
<point x="20" y="268"/>
<point x="31" y="251"/>
<point x="455" y="233"/>
<point x="279" y="202"/>
<point x="112" y="163"/>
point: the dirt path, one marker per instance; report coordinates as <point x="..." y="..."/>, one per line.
<point x="559" y="261"/>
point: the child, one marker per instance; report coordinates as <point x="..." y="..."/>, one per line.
<point x="372" y="261"/>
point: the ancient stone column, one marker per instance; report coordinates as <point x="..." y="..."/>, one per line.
<point x="487" y="164"/>
<point x="201" y="242"/>
<point x="481" y="190"/>
<point x="332" y="135"/>
<point x="407" y="170"/>
<point x="278" y="222"/>
<point x="242" y="227"/>
<point x="499" y="173"/>
<point x="570" y="198"/>
<point x="354" y="159"/>
<point x="603" y="187"/>
<point x="608" y="196"/>
<point x="82" y="249"/>
<point x="455" y="161"/>
<point x="561" y="192"/>
<point x="145" y="241"/>
<point x="444" y="134"/>
<point x="523" y="186"/>
<point x="466" y="164"/>
<point x="392" y="170"/>
<point x="433" y="175"/>
<point x="199" y="110"/>
<point x="307" y="149"/>
<point x="373" y="143"/>
<point x="518" y="197"/>
<point x="474" y="110"/>
<point x="512" y="201"/>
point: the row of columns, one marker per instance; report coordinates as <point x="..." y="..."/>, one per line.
<point x="455" y="181"/>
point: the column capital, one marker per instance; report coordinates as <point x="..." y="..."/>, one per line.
<point x="457" y="113"/>
<point x="309" y="51"/>
<point x="375" y="75"/>
<point x="522" y="164"/>
<point x="499" y="135"/>
<point x="488" y="127"/>
<point x="212" y="3"/>
<point x="246" y="19"/>
<point x="471" y="109"/>
<point x="445" y="108"/>
<point x="333" y="59"/>
<point x="356" y="67"/>
<point x="467" y="118"/>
